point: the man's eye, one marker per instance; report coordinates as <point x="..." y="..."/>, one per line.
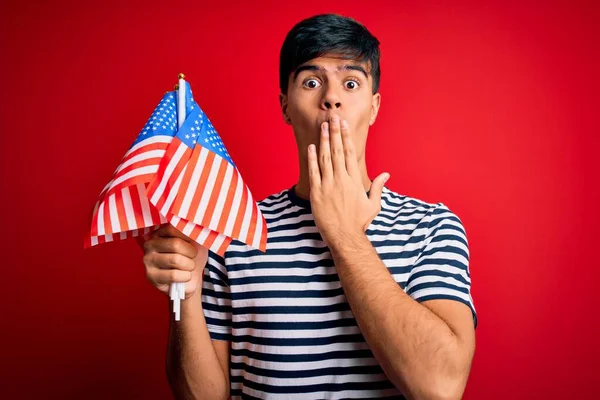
<point x="351" y="85"/>
<point x="312" y="84"/>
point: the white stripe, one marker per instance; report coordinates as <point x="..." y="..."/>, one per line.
<point x="113" y="214"/>
<point x="150" y="140"/>
<point x="217" y="243"/>
<point x="173" y="192"/>
<point x="225" y="187"/>
<point x="344" y="394"/>
<point x="259" y="226"/>
<point x="146" y="214"/>
<point x="235" y="206"/>
<point x="188" y="228"/>
<point x="194" y="180"/>
<point x="128" y="205"/>
<point x="94" y="240"/>
<point x="141" y="157"/>
<point x="247" y="217"/>
<point x="203" y="235"/>
<point x="440" y="291"/>
<point x="100" y="220"/>
<point x="150" y="169"/>
<point x="210" y="184"/>
<point x="298" y="333"/>
<point x="168" y="171"/>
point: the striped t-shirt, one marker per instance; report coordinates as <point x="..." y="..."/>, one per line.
<point x="292" y="333"/>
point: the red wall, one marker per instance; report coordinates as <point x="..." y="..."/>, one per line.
<point x="490" y="108"/>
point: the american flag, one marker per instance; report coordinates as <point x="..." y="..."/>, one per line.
<point x="185" y="177"/>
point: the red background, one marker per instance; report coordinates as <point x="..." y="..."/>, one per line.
<point x="490" y="108"/>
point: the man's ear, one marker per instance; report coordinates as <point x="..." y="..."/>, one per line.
<point x="283" y="104"/>
<point x="375" y="103"/>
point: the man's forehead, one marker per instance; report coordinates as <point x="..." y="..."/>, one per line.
<point x="335" y="62"/>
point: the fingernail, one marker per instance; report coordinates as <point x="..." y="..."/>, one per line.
<point x="344" y="123"/>
<point x="335" y="119"/>
<point x="386" y="177"/>
<point x="325" y="126"/>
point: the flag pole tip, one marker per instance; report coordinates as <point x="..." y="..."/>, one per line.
<point x="176" y="86"/>
<point x="181" y="76"/>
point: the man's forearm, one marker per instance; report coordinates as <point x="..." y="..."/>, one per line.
<point x="416" y="349"/>
<point x="193" y="368"/>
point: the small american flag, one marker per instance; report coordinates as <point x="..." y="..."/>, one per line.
<point x="185" y="177"/>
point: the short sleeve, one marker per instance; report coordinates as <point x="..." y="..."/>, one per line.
<point x="441" y="270"/>
<point x="216" y="298"/>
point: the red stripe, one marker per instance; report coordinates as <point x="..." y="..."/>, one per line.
<point x="169" y="153"/>
<point x="227" y="206"/>
<point x="240" y="215"/>
<point x="137" y="206"/>
<point x="214" y="196"/>
<point x="106" y="218"/>
<point x="185" y="182"/>
<point x="210" y="239"/>
<point x="131" y="182"/>
<point x="121" y="211"/>
<point x="171" y="180"/>
<point x="252" y="227"/>
<point x="195" y="203"/>
<point x="221" y="250"/>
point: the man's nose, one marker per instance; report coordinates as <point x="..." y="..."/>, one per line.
<point x="331" y="100"/>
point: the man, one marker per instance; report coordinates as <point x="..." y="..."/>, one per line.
<point x="362" y="292"/>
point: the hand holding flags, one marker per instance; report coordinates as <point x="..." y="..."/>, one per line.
<point x="183" y="176"/>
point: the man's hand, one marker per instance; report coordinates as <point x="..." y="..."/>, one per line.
<point x="170" y="257"/>
<point x="339" y="203"/>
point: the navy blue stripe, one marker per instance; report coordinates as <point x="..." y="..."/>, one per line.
<point x="284" y="279"/>
<point x="436" y="285"/>
<point x="286" y="294"/>
<point x="294" y="358"/>
<point x="328" y="262"/>
<point x="440" y="273"/>
<point x="284" y="251"/>
<point x="318" y="341"/>
<point x="220" y="336"/>
<point x="308" y="373"/>
<point x="216" y="307"/>
<point x="450" y="297"/>
<point x="338" y="307"/>
<point x="218" y="322"/>
<point x="323" y="387"/>
<point x="442" y="261"/>
<point x="293" y="326"/>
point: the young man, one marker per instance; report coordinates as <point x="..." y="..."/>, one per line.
<point x="362" y="293"/>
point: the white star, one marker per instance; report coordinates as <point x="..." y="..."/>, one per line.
<point x="187" y="136"/>
<point x="196" y="122"/>
<point x="153" y="128"/>
<point x="193" y="135"/>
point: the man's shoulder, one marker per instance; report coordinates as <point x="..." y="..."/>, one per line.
<point x="406" y="209"/>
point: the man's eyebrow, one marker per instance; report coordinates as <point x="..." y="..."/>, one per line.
<point x="345" y="67"/>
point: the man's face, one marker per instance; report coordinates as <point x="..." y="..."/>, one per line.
<point x="325" y="86"/>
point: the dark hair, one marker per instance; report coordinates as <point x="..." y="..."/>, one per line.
<point x="328" y="33"/>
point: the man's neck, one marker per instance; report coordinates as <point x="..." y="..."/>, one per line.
<point x="302" y="188"/>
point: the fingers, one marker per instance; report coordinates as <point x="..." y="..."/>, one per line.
<point x="337" y="146"/>
<point x="325" y="153"/>
<point x="166" y="277"/>
<point x="351" y="162"/>
<point x="171" y="245"/>
<point x="314" y="175"/>
<point x="168" y="230"/>
<point x="168" y="261"/>
<point x="377" y="187"/>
